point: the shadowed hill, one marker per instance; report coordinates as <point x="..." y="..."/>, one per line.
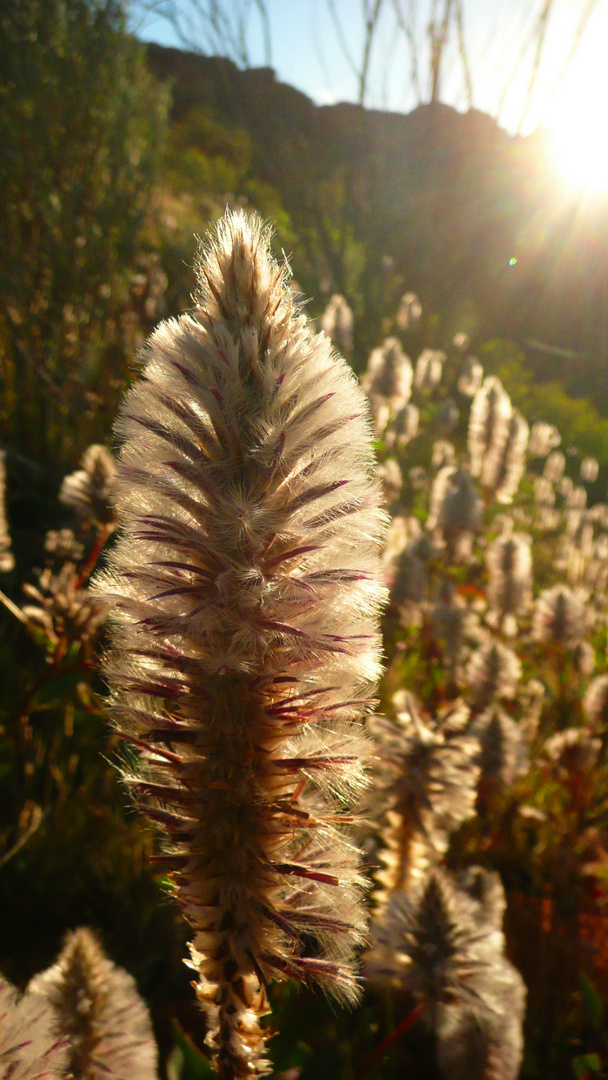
<point x="467" y="215"/>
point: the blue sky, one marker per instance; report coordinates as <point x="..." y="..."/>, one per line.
<point x="307" y="53"/>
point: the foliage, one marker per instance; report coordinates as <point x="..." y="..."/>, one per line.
<point x="81" y="123"/>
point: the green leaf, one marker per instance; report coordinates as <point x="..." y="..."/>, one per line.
<point x="591" y="1003"/>
<point x="585" y="1064"/>
<point x="187" y="1062"/>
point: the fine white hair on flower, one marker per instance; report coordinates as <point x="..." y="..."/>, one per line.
<point x="245" y="590"/>
<point x="29" y="1046"/>
<point x="554" y="466"/>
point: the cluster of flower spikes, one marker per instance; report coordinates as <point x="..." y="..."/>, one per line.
<point x="244" y="594"/>
<point x="82" y="1018"/>
<point x="495" y="599"/>
<point x="64" y="609"/>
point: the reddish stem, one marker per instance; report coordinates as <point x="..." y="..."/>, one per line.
<point x="386" y="1044"/>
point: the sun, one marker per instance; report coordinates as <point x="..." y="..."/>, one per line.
<point x="579" y="143"/>
<point x="576" y="119"/>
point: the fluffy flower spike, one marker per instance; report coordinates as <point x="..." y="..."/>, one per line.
<point x="246" y="593"/>
<point x="97" y="1009"/>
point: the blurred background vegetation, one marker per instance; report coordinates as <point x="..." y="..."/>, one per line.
<point x="113" y="156"/>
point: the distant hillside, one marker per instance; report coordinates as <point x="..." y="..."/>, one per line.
<point x="446" y="201"/>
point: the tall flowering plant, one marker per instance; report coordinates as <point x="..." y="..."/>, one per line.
<point x="244" y="594"/>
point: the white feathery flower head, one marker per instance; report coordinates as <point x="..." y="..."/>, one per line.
<point x="559" y="617"/>
<point x="509" y="563"/>
<point x="97" y="1009"/>
<point x="488" y="421"/>
<point x="565" y="487"/>
<point x="425" y="787"/>
<point x="471" y="377"/>
<point x="402" y="529"/>
<point x="554" y="466"/>
<point x="402" y="428"/>
<point x="432" y="942"/>
<point x="503" y="754"/>
<point x="455" y="508"/>
<point x="245" y="590"/>
<point x="595" y="703"/>
<point x="448" y="619"/>
<point x="29" y="1047"/>
<point x="389" y="375"/>
<point x="506" y="463"/>
<point x="338" y="323"/>
<point x="461" y="341"/>
<point x="577" y="498"/>
<point x="574" y="749"/>
<point x="429" y="369"/>
<point x="89" y="490"/>
<point x="443" y="454"/>
<point x="589" y="470"/>
<point x="493" y="672"/>
<point x="409" y="311"/>
<point x="543" y="439"/>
